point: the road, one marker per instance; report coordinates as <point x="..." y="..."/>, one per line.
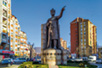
<point x="99" y="65"/>
<point x="13" y="66"/>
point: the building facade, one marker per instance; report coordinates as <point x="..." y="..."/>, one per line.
<point x="63" y="43"/>
<point x="5" y="17"/>
<point x="15" y="35"/>
<point x="5" y="11"/>
<point x="83" y="37"/>
<point x="18" y="38"/>
<point x="23" y="45"/>
<point x="100" y="52"/>
<point x="43" y="40"/>
<point x="10" y="32"/>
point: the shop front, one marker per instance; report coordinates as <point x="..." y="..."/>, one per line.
<point x="6" y="54"/>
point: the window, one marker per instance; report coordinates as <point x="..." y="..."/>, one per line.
<point x="4" y="3"/>
<point x="4" y="36"/>
<point x="18" y="49"/>
<point x="84" y="43"/>
<point x="81" y="33"/>
<point x="4" y="21"/>
<point x="81" y="29"/>
<point x="84" y="22"/>
<point x="81" y="36"/>
<point x="55" y="53"/>
<point x="47" y="53"/>
<point x="84" y="29"/>
<point x="84" y="39"/>
<point x="81" y="43"/>
<point x="50" y="53"/>
<point x="81" y="26"/>
<point x="80" y="23"/>
<point x="81" y="40"/>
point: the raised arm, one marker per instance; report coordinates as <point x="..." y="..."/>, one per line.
<point x="61" y="13"/>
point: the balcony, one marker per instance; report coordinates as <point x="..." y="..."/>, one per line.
<point x="5" y="22"/>
<point x="4" y="38"/>
<point x="4" y="13"/>
<point x="4" y="30"/>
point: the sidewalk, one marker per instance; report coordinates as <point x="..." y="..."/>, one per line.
<point x="53" y="66"/>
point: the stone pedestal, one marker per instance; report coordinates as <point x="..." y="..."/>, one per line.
<point x="54" y="56"/>
<point x="64" y="57"/>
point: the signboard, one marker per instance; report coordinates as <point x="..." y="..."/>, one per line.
<point x="8" y="52"/>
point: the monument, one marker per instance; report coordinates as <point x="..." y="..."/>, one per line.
<point x="52" y="52"/>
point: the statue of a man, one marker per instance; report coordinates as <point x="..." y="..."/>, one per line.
<point x="53" y="34"/>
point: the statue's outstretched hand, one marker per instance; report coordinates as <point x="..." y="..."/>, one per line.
<point x="63" y="8"/>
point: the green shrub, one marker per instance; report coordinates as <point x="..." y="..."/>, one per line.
<point x="91" y="66"/>
<point x="85" y="62"/>
<point x="28" y="64"/>
<point x="70" y="61"/>
<point x="81" y="65"/>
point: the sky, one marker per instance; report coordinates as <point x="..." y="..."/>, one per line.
<point x="32" y="13"/>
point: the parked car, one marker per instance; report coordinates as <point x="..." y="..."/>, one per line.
<point x="79" y="59"/>
<point x="28" y="59"/>
<point x="7" y="61"/>
<point x="85" y="58"/>
<point x="19" y="60"/>
<point x="92" y="58"/>
<point x="39" y="62"/>
<point x="99" y="61"/>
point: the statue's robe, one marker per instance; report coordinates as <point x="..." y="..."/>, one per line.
<point x="52" y="32"/>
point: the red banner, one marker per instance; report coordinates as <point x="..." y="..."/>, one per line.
<point x="8" y="52"/>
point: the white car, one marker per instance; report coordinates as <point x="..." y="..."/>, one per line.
<point x="19" y="60"/>
<point x="98" y="61"/>
<point x="92" y="59"/>
<point x="78" y="59"/>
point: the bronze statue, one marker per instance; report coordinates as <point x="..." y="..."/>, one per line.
<point x="52" y="30"/>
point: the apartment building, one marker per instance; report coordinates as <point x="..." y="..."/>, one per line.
<point x="15" y="35"/>
<point x="18" y="39"/>
<point x="11" y="36"/>
<point x="5" y="17"/>
<point x="23" y="45"/>
<point x="63" y="43"/>
<point x="83" y="37"/>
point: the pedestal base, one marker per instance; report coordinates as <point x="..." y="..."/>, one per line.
<point x="54" y="57"/>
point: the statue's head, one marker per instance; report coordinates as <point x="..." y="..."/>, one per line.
<point x="52" y="11"/>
